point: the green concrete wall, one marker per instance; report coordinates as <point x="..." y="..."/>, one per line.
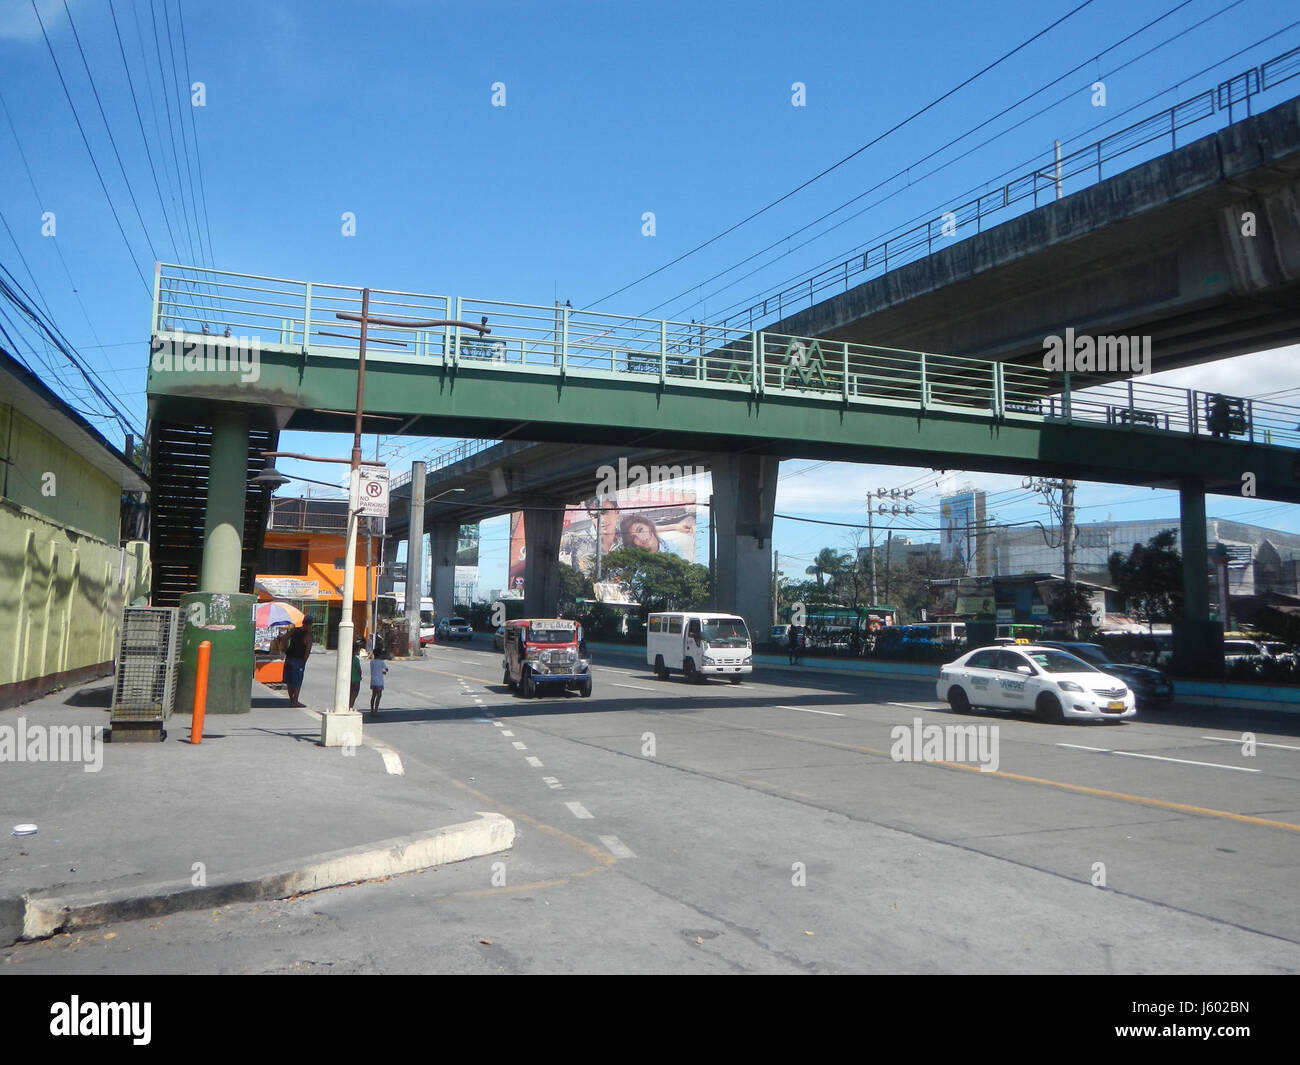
<point x="61" y="599"/>
<point x="44" y="475"/>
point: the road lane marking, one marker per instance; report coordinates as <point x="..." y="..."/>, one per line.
<point x="392" y="761"/>
<point x="578" y="810"/>
<point x="552" y="783"/>
<point x="1002" y="774"/>
<point x="499" y="725"/>
<point x="516" y="745"/>
<point x="534" y="761"/>
<point x="507" y="733"/>
<point x="638" y="687"/>
<point x="616" y="847"/>
<point x="1160" y="758"/>
<point x="1186" y="761"/>
<point x="804" y="709"/>
<point x="1239" y="741"/>
<point x="921" y="706"/>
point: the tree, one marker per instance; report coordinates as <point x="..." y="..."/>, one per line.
<point x="659" y="580"/>
<point x="909" y="582"/>
<point x="574" y="585"/>
<point x="1072" y="603"/>
<point x="828" y="567"/>
<point x="1150" y="578"/>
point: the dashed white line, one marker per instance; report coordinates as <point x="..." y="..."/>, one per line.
<point x="499" y="725"/>
<point x="616" y="847"/>
<point x="507" y="733"/>
<point x="552" y="783"/>
<point x="517" y="745"/>
<point x="920" y="706"/>
<point x="804" y="709"/>
<point x="1238" y="740"/>
<point x="392" y="762"/>
<point x="534" y="761"/>
<point x="1160" y="758"/>
<point x="578" y="810"/>
<point x="638" y="687"/>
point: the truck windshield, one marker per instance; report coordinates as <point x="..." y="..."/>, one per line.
<point x="726" y="632"/>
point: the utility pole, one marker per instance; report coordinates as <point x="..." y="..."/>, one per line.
<point x="1067" y="534"/>
<point x="713" y="562"/>
<point x="776" y="581"/>
<point x="871" y="550"/>
<point x="889" y="543"/>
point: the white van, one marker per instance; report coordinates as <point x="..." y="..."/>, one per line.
<point x="699" y="643"/>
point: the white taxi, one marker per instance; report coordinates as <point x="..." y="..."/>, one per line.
<point x="1041" y="680"/>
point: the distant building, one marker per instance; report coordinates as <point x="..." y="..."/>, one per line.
<point x="963" y="533"/>
<point x="302" y="560"/>
<point x="1262" y="560"/>
<point x="72" y="547"/>
<point x="1024" y="598"/>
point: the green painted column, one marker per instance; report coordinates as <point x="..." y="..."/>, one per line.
<point x="1198" y="641"/>
<point x="218" y="612"/>
<point x="223" y="526"/>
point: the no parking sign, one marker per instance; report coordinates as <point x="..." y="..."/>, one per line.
<point x="374" y="491"/>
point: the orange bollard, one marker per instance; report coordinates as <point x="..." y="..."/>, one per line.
<point x="200" y="692"/>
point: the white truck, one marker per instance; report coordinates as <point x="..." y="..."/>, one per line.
<point x="699" y="644"/>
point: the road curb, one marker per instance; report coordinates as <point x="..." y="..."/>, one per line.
<point x="38" y="916"/>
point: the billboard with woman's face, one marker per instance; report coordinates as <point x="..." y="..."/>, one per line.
<point x="653" y="518"/>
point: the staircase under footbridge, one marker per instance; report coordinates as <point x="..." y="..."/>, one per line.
<point x="561" y="374"/>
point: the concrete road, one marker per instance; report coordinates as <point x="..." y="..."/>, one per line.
<point x="765" y="827"/>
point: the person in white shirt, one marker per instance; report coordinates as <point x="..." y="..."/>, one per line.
<point x="377" y="671"/>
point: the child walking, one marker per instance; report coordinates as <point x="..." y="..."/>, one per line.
<point x="377" y="671"/>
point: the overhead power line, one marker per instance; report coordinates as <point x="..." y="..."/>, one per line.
<point x="86" y="141"/>
<point x="852" y="155"/>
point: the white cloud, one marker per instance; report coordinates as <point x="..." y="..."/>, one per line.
<point x="18" y="21"/>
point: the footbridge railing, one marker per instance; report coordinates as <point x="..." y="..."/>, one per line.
<point x="204" y="307"/>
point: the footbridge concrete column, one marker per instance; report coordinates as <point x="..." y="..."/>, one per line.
<point x="415" y="560"/>
<point x="391" y="544"/>
<point x="444" y="538"/>
<point x="543" y="524"/>
<point x="218" y="613"/>
<point x="744" y="495"/>
<point x="1198" y="641"/>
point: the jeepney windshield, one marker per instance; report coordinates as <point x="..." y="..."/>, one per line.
<point x="539" y="635"/>
<point x="725" y="632"/>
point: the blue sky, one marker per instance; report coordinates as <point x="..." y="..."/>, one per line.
<point x="611" y="109"/>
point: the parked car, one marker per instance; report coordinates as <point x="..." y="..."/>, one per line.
<point x="1049" y="683"/>
<point x="455" y="629"/>
<point x="1151" y="686"/>
<point x="499" y="639"/>
<point x="1237" y="650"/>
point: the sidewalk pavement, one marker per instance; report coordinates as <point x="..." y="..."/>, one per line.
<point x="258" y="810"/>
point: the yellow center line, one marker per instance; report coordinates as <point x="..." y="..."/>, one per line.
<point x="1082" y="789"/>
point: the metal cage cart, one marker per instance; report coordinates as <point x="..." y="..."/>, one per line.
<point x="144" y="692"/>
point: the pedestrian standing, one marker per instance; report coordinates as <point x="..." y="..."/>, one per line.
<point x="295" y="660"/>
<point x="792" y="639"/>
<point x="377" y="670"/>
<point x="356" y="675"/>
<point x="799" y="647"/>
